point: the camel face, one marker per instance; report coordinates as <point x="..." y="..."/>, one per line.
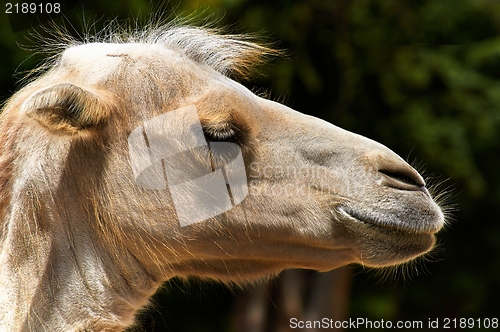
<point x="314" y="195"/>
<point x="347" y="192"/>
<point x="135" y="162"/>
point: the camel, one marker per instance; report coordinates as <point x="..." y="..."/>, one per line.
<point x="138" y="157"/>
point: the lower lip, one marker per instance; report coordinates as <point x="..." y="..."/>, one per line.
<point x="378" y="225"/>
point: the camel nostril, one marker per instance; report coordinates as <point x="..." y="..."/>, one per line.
<point x="403" y="179"/>
<point x="393" y="171"/>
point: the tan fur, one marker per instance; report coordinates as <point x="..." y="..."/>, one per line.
<point x="83" y="247"/>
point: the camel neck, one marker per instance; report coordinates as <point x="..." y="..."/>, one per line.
<point x="52" y="282"/>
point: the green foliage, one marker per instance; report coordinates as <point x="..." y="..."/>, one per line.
<point x="422" y="77"/>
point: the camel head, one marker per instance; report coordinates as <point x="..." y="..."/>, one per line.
<point x="130" y="162"/>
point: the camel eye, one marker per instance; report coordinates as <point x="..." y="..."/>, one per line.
<point x="221" y="133"/>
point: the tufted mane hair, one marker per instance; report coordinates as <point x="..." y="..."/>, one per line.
<point x="234" y="55"/>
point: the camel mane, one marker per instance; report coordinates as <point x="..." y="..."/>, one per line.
<point x="233" y="55"/>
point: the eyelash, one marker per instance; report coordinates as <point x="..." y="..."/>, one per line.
<point x="224" y="135"/>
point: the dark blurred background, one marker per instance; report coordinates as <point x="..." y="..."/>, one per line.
<point x="422" y="77"/>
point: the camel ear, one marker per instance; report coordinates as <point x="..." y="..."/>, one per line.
<point x="66" y="109"/>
